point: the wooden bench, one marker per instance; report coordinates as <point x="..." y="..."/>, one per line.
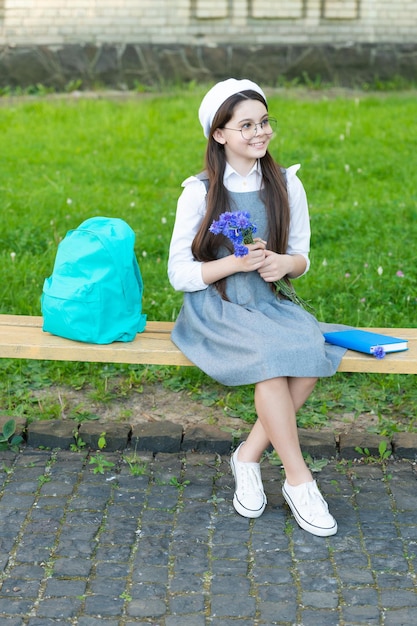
<point x="21" y="337"/>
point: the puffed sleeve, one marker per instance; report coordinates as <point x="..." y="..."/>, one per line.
<point x="300" y="232"/>
<point x="184" y="272"/>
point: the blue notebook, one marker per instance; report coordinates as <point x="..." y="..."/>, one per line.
<point x="365" y="341"/>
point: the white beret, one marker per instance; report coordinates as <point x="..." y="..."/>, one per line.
<point x="218" y="94"/>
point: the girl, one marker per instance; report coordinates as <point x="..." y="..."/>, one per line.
<point x="233" y="324"/>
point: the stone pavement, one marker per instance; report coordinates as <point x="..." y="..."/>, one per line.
<point x="154" y="540"/>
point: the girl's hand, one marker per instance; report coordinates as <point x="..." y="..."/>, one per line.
<point x="255" y="258"/>
<point x="213" y="271"/>
<point x="275" y="266"/>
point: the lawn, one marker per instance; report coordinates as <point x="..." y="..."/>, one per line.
<point x="63" y="160"/>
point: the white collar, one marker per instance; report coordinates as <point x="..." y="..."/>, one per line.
<point x="235" y="182"/>
<point x="230" y="171"/>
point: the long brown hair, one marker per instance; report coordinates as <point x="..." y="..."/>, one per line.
<point x="274" y="193"/>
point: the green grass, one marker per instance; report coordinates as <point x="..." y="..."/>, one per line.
<point x="62" y="161"/>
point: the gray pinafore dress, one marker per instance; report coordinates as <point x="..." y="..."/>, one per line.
<point x="255" y="335"/>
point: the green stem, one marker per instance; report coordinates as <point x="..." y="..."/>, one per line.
<point x="290" y="293"/>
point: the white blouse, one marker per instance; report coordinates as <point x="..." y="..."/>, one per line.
<point x="184" y="272"/>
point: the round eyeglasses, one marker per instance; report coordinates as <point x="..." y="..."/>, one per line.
<point x="250" y="129"/>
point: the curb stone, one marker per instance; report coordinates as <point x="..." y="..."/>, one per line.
<point x="206" y="438"/>
<point x="349" y="443"/>
<point x="405" y="445"/>
<point x="322" y="443"/>
<point x="169" y="437"/>
<point x="50" y="434"/>
<point x="157" y="437"/>
<point x="116" y="435"/>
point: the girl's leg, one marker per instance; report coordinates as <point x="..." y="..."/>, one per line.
<point x="277" y="401"/>
<point x="276" y="409"/>
<point x="300" y="390"/>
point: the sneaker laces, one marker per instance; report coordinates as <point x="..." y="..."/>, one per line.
<point x="249" y="480"/>
<point x="315" y="504"/>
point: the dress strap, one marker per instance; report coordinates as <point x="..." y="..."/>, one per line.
<point x="203" y="176"/>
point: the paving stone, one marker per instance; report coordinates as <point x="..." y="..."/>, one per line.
<point x="317" y="576"/>
<point x="112" y="554"/>
<point x="400" y="617"/>
<point x="58" y="608"/>
<point x="17" y="489"/>
<point x="226" y="606"/>
<point x="56" y="488"/>
<point x="65" y="587"/>
<point x="187" y="603"/>
<point x="283" y="610"/>
<point x="230" y="584"/>
<point x="406" y="500"/>
<point x="275" y="583"/>
<point x="148" y="590"/>
<point x="389" y="563"/>
<point x="151" y="574"/>
<point x="11" y="607"/>
<point x="397" y="598"/>
<point x="103" y="605"/>
<point x="320" y="599"/>
<point x="362" y="615"/>
<point x="355" y="576"/>
<point x="393" y="580"/>
<point x="27" y="571"/>
<point x="360" y="596"/>
<point x="73" y="566"/>
<point x="146" y="608"/>
<point x="19" y="588"/>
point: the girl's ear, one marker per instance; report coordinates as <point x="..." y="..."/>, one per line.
<point x="219" y="136"/>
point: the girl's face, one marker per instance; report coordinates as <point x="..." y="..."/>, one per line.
<point x="246" y="135"/>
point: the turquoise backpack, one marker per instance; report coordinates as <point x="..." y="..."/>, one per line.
<point x="95" y="291"/>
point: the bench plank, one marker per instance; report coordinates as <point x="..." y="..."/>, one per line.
<point x="21" y="337"/>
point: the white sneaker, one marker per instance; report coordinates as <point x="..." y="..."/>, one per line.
<point x="310" y="509"/>
<point x="249" y="499"/>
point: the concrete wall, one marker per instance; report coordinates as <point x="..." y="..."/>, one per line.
<point x="120" y="41"/>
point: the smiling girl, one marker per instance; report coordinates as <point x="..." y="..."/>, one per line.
<point x="233" y="324"/>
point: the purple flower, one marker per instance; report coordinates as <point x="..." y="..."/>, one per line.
<point x="216" y="228"/>
<point x="240" y="249"/>
<point x="237" y="227"/>
<point x="378" y="352"/>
